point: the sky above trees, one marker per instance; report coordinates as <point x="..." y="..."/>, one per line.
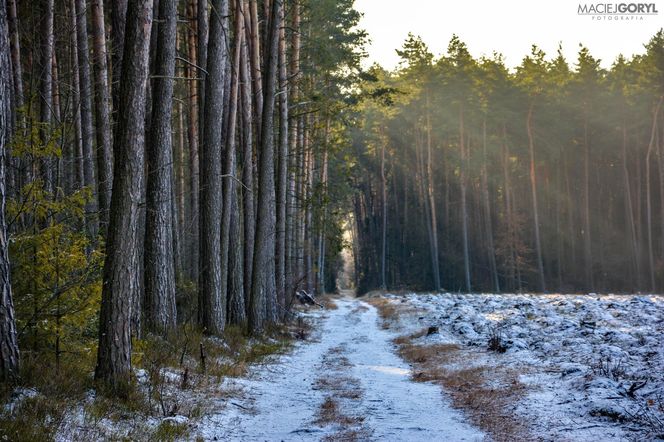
<point x="509" y="26"/>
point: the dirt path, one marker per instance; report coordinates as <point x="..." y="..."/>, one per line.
<point x="346" y="385"/>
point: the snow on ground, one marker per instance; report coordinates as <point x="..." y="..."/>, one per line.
<point x="584" y="358"/>
<point x="282" y="401"/>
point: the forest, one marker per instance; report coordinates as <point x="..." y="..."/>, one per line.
<point x="177" y="174"/>
<point x="165" y="163"/>
<point x="546" y="177"/>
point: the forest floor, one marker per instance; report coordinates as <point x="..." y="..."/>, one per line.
<point x="347" y="383"/>
<point x="394" y="367"/>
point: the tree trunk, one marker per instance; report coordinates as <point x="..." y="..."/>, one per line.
<point x="229" y="189"/>
<point x="651" y="144"/>
<point x="118" y="25"/>
<point x="9" y="356"/>
<point x="464" y="208"/>
<point x="193" y="133"/>
<point x="587" y="240"/>
<point x="263" y="290"/>
<point x="77" y="148"/>
<point x="121" y="267"/>
<point x="282" y="173"/>
<point x="87" y="134"/>
<point x="487" y="209"/>
<point x="103" y="114"/>
<point x="629" y="215"/>
<point x="533" y="189"/>
<point x="46" y="90"/>
<point x="159" y="262"/>
<point x="248" y="212"/>
<point x="435" y="266"/>
<point x="211" y="301"/>
<point x="293" y="154"/>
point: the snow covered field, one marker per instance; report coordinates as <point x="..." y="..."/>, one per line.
<point x="593" y="365"/>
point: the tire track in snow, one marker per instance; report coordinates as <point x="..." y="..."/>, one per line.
<point x="285" y="400"/>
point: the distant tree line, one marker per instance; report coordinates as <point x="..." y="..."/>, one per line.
<point x="547" y="177"/>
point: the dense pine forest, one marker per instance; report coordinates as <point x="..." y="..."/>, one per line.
<point x="166" y="163"/>
<point x="546" y="177"/>
<point x="173" y="168"/>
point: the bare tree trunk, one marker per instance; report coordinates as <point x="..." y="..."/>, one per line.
<point x="293" y="155"/>
<point x="9" y="355"/>
<point x="651" y="144"/>
<point x="282" y="173"/>
<point x="263" y="297"/>
<point x="508" y="209"/>
<point x="203" y="28"/>
<point x="487" y="208"/>
<point x="211" y="301"/>
<point x="464" y="209"/>
<point x="77" y="148"/>
<point x="16" y="174"/>
<point x="248" y="212"/>
<point x="46" y="89"/>
<point x="587" y="240"/>
<point x="229" y="189"/>
<point x="323" y="216"/>
<point x="159" y="262"/>
<point x="432" y="207"/>
<point x="629" y="213"/>
<point x="87" y="134"/>
<point x="180" y="198"/>
<point x="533" y="188"/>
<point x="15" y="47"/>
<point x="193" y="138"/>
<point x="255" y="63"/>
<point x="103" y="114"/>
<point x="118" y="25"/>
<point x="237" y="309"/>
<point x="121" y="268"/>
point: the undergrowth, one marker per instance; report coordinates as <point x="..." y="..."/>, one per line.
<point x="176" y="375"/>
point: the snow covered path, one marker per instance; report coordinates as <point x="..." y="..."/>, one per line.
<point x="352" y="365"/>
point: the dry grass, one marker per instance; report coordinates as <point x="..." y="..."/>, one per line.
<point x="387" y="311"/>
<point x="486" y="394"/>
<point x="342" y="390"/>
<point x="328" y="301"/>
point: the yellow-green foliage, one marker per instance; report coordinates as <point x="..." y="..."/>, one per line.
<point x="55" y="268"/>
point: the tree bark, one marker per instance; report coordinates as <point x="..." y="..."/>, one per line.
<point x="263" y="290"/>
<point x="282" y="173"/>
<point x="464" y="206"/>
<point x="9" y="355"/>
<point x="211" y="301"/>
<point x="159" y="261"/>
<point x="248" y="212"/>
<point x="229" y="189"/>
<point x="651" y="144"/>
<point x="432" y="206"/>
<point x="46" y="90"/>
<point x="118" y="25"/>
<point x="533" y="189"/>
<point x="103" y="114"/>
<point x="121" y="267"/>
<point x="193" y="132"/>
<point x="87" y="134"/>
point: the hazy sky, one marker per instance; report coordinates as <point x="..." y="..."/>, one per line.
<point x="506" y="26"/>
